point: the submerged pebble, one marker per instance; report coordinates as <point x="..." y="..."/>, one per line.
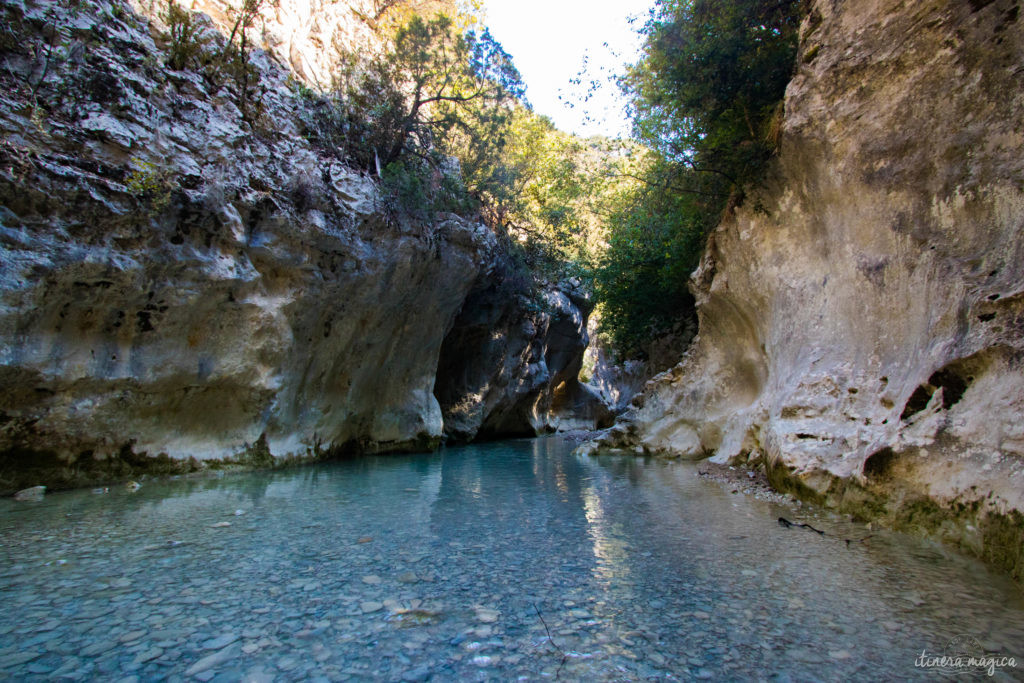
<point x="513" y="561"/>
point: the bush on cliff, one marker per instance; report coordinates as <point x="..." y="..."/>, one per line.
<point x="190" y="47"/>
<point x="404" y="113"/>
<point x="439" y="115"/>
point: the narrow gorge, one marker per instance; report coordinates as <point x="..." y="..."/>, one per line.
<point x="329" y="352"/>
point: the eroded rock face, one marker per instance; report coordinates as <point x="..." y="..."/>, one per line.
<point x="863" y="334"/>
<point x="308" y="37"/>
<point x="617" y="381"/>
<point x="177" y="282"/>
<point x="183" y="281"/>
<point x="511" y="363"/>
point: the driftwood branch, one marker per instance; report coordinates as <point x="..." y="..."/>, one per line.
<point x="789" y="525"/>
<point x="552" y="641"/>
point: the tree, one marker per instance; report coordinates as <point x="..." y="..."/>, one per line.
<point x="710" y="82"/>
<point x="540" y="185"/>
<point x="705" y="99"/>
<point x="656" y="238"/>
<point x="431" y="80"/>
<point x="401" y="10"/>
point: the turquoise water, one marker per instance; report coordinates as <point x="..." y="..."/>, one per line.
<point x="509" y="560"/>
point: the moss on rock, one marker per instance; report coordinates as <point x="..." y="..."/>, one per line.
<point x="1003" y="542"/>
<point x="994" y="537"/>
<point x="23" y="467"/>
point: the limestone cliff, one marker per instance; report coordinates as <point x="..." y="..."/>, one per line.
<point x="511" y="364"/>
<point x="862" y="316"/>
<point x="617" y="381"/>
<point x="308" y="37"/>
<point x="179" y="283"/>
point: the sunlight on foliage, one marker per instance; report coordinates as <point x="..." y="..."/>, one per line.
<point x="438" y="114"/>
<point x="705" y="100"/>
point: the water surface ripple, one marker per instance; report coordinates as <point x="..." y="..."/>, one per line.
<point x="490" y="562"/>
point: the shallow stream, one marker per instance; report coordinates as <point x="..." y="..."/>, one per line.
<point x="490" y="562"/>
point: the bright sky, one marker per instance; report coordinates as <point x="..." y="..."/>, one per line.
<point x="549" y="40"/>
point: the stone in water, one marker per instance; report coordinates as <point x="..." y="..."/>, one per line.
<point x="31" y="494"/>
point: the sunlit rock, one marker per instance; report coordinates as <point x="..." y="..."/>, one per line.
<point x="861" y="316"/>
<point x="180" y="286"/>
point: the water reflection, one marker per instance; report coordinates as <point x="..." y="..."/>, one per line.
<point x="610" y="548"/>
<point x="493" y="561"/>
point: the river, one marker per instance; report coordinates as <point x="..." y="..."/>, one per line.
<point x="497" y="561"/>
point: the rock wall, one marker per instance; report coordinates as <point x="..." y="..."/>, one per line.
<point x="308" y="37"/>
<point x="862" y="317"/>
<point x="180" y="285"/>
<point x="617" y="381"/>
<point x="511" y="363"/>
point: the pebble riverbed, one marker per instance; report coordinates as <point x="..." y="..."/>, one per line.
<point x="501" y="561"/>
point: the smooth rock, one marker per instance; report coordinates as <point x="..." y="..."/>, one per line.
<point x="859" y="314"/>
<point x="487" y="615"/>
<point x="18" y="658"/>
<point x="213" y="660"/>
<point x="34" y="493"/>
<point x="287" y="663"/>
<point x="147" y="655"/>
<point x="220" y="641"/>
<point x="132" y="636"/>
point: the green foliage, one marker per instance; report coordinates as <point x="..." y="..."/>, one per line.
<point x="656" y="240"/>
<point x="390" y="13"/>
<point x="437" y="92"/>
<point x="420" y="190"/>
<point x="150" y="185"/>
<point x="545" y="189"/>
<point x="432" y="82"/>
<point x="705" y="101"/>
<point x="189" y="48"/>
<point x="301" y="90"/>
<point x="529" y="179"/>
<point x="438" y="114"/>
<point x="712" y="74"/>
<point x="186" y="44"/>
<point x="234" y="60"/>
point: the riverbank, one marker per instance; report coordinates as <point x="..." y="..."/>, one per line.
<point x="55" y="475"/>
<point x="748" y="482"/>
